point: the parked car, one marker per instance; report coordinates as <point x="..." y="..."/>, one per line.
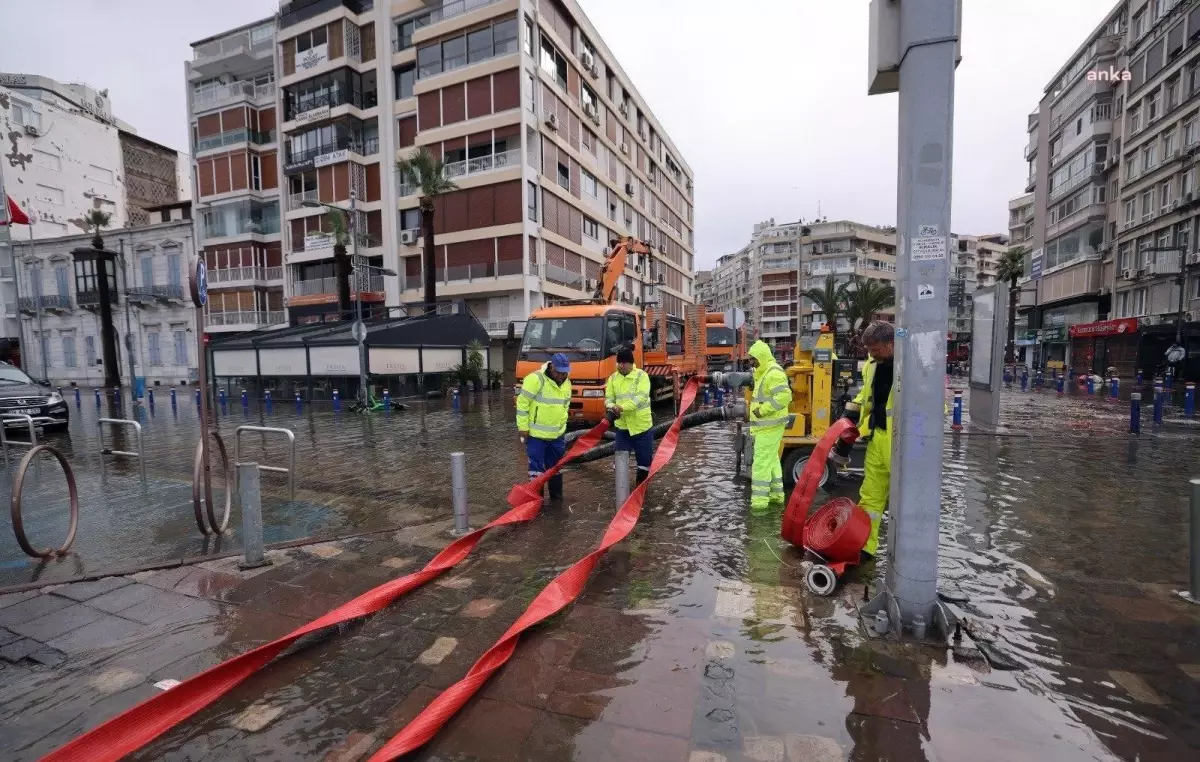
<point x="20" y="394"/>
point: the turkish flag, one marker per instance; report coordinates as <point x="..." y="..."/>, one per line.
<point x="15" y="215"/>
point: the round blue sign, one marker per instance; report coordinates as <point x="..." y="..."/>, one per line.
<point x="200" y="283"/>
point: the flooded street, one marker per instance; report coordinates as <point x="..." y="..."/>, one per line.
<point x="1063" y="544"/>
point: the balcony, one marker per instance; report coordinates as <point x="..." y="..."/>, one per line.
<point x="483" y="164"/>
<point x="235" y="136"/>
<point x="296" y="200"/>
<point x="245" y="320"/>
<point x="1031" y="182"/>
<point x="451" y="10"/>
<point x="234" y="53"/>
<point x="218" y="96"/>
<point x="1165" y="263"/>
<point x="49" y="302"/>
<point x="300" y="10"/>
<point x="1096" y="173"/>
<point x="297" y="108"/>
<point x="90" y="300"/>
<point x="230" y="276"/>
<point x="319" y="286"/>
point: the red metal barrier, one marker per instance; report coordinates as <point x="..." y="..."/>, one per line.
<point x="134" y="728"/>
<point x="564" y="589"/>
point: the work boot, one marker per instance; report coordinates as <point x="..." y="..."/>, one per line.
<point x="642" y="475"/>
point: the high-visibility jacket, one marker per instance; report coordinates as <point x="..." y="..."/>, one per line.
<point x="772" y="392"/>
<point x="865" y="399"/>
<point x="542" y="405"/>
<point x="632" y="394"/>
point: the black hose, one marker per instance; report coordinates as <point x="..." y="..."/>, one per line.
<point x="690" y="420"/>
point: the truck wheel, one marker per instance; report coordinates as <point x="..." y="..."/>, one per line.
<point x="794" y="463"/>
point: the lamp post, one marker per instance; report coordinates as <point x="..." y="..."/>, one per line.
<point x="105" y="291"/>
<point x="360" y="328"/>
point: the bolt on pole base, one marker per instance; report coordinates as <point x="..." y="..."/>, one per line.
<point x="944" y="620"/>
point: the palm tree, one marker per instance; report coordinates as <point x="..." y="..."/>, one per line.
<point x="95" y="220"/>
<point x="829" y="300"/>
<point x="1012" y="267"/>
<point x="339" y="231"/>
<point x="865" y="298"/>
<point x="427" y="171"/>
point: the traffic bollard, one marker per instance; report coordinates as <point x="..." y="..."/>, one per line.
<point x="458" y="487"/>
<point x="621" y="467"/>
<point x="1062" y="386"/>
<point x="78" y="399"/>
<point x="221" y="396"/>
<point x="267" y="394"/>
<point x="173" y="400"/>
<point x="1007" y="379"/>
<point x="97" y="398"/>
<point x="1194" y="543"/>
<point x="250" y="499"/>
<point x="245" y="399"/>
<point x="1158" y="405"/>
<point x="1139" y="377"/>
<point x="1091" y="385"/>
<point x="705" y="400"/>
<point x="299" y="403"/>
<point x="1024" y="382"/>
<point x="1114" y="389"/>
<point x="1189" y="400"/>
<point x="1070" y="374"/>
<point x="1167" y="378"/>
<point x="957" y="423"/>
<point x="337" y="400"/>
<point x="454" y="399"/>
<point x="1040" y="381"/>
<point x="150" y="397"/>
<point x="117" y="396"/>
<point x="1135" y="413"/>
<point x="387" y="401"/>
<point x="720" y="397"/>
<point x="197" y="396"/>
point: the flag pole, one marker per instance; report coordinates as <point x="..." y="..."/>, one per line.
<point x="43" y="345"/>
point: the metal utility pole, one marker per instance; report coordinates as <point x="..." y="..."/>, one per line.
<point x="129" y="339"/>
<point x="915" y="46"/>
<point x="38" y="287"/>
<point x="360" y="328"/>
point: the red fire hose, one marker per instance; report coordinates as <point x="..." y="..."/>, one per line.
<point x="136" y="727"/>
<point x="839" y="529"/>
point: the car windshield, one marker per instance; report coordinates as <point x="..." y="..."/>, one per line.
<point x="10" y="375"/>
<point x="582" y="335"/>
<point x="720" y="336"/>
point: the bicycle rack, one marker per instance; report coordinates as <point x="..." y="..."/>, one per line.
<point x="211" y="526"/>
<point x="137" y="427"/>
<point x="5" y="443"/>
<point x="72" y="491"/>
<point x="291" y="472"/>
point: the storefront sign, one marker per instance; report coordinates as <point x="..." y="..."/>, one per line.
<point x="315" y="115"/>
<point x="1035" y="264"/>
<point x="317" y="241"/>
<point x="296" y="167"/>
<point x="1105" y="328"/>
<point x="324" y="160"/>
<point x="1053" y="335"/>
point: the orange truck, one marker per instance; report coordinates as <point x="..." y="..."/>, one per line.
<point x="591" y="331"/>
<point x="726" y="346"/>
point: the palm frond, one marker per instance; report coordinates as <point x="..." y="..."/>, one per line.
<point x="1012" y="264"/>
<point x="427" y="172"/>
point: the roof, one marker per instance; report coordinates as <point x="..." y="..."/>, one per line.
<point x="419" y="331"/>
<point x="582" y="310"/>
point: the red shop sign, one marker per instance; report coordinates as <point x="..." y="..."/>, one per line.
<point x="1104" y="328"/>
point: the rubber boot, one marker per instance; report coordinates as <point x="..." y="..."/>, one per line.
<point x="642" y="475"/>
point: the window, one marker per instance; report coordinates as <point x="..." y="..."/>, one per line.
<point x="1138" y="302"/>
<point x="553" y="63"/>
<point x="1188" y="183"/>
<point x="404" y="33"/>
<point x="564" y="175"/>
<point x="1148" y="157"/>
<point x="1154" y="107"/>
<point x="589" y="184"/>
<point x="1168" y="145"/>
<point x="181" y="354"/>
<point x="1147" y="204"/>
<point x="1189" y="132"/>
<point x="45" y="343"/>
<point x="1172" y="94"/>
<point x="1135" y="118"/>
<point x="410" y="219"/>
<point x="155" y="349"/>
<point x="480" y="45"/>
<point x="68" y="345"/>
<point x="454" y="53"/>
<point x="1125" y="258"/>
<point x="406" y="77"/>
<point x="174" y="276"/>
<point x="24" y="114"/>
<point x="1079" y="126"/>
<point x="590" y="228"/>
<point x="1139" y="24"/>
<point x="255" y="172"/>
<point x="587" y="97"/>
<point x="1164" y="196"/>
<point x="311" y="39"/>
<point x="1130" y="211"/>
<point x="147" y="265"/>
<point x="89" y="349"/>
<point x="62" y="279"/>
<point x="532" y="201"/>
<point x="1183" y="236"/>
<point x="527" y="35"/>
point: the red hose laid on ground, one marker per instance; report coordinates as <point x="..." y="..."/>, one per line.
<point x="796" y="513"/>
<point x="564" y="589"/>
<point x="134" y="728"/>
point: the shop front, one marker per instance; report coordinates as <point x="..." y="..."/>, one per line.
<point x="1097" y="347"/>
<point x="1157" y="339"/>
<point x="1052" y="348"/>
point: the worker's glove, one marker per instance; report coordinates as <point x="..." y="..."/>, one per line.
<point x="839" y="460"/>
<point x="523" y="437"/>
<point x="840" y="453"/>
<point x="611" y="415"/>
<point x="851" y="415"/>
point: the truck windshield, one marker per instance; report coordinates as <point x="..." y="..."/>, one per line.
<point x="578" y="337"/>
<point x="721" y="336"/>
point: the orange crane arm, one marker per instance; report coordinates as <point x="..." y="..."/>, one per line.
<point x="614" y="267"/>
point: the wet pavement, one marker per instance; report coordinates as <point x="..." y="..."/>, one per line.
<point x="695" y="640"/>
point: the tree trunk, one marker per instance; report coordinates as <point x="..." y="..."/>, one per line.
<point x="1011" y="351"/>
<point x="428" y="264"/>
<point x="108" y="342"/>
<point x="341" y="271"/>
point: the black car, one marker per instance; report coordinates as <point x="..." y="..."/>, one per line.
<point x="20" y="394"/>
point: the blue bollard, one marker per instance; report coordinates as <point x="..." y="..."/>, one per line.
<point x="150" y="397"/>
<point x="78" y="399"/>
<point x="1135" y="413"/>
<point x="1189" y="399"/>
<point x="117" y="396"/>
<point x="705" y="401"/>
<point x="221" y="396"/>
<point x="454" y="401"/>
<point x="1158" y="405"/>
<point x="197" y="396"/>
<point x="720" y="396"/>
<point x="1114" y="388"/>
<point x="1070" y="374"/>
<point x="268" y="399"/>
<point x="1040" y="381"/>
<point x="245" y="399"/>
<point x="1167" y="378"/>
<point x="97" y="398"/>
<point x="1025" y="381"/>
<point x="174" y="403"/>
<point x="299" y="403"/>
<point x="1091" y="385"/>
<point x="957" y="422"/>
<point x="1007" y="379"/>
<point x="1062" y="385"/>
<point x="387" y="401"/>
<point x="1139" y="378"/>
<point x="337" y="400"/>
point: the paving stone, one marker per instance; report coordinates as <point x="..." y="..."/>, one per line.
<point x="205" y="583"/>
<point x="720" y="649"/>
<point x="18" y="650"/>
<point x="801" y="748"/>
<point x="324" y="550"/>
<point x="11" y="599"/>
<point x="34" y="607"/>
<point x="47" y="656"/>
<point x="455" y="583"/>
<point x="441" y="648"/>
<point x="1137" y="688"/>
<point x="165" y="607"/>
<point x="256" y="717"/>
<point x="122" y="598"/>
<point x="85" y="591"/>
<point x="706" y="756"/>
<point x="354" y="748"/>
<point x="734" y="601"/>
<point x="164" y="579"/>
<point x="634" y="745"/>
<point x="504" y="558"/>
<point x="104" y="632"/>
<point x="481" y="608"/>
<point x="881" y="696"/>
<point x="168" y="684"/>
<point x="7" y="636"/>
<point x="763" y="748"/>
<point x="115" y="680"/>
<point x="655" y="707"/>
<point x="57" y="623"/>
<point x="397" y="563"/>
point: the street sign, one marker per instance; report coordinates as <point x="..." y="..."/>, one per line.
<point x="958" y="291"/>
<point x="734" y="318"/>
<point x="359" y="331"/>
<point x="199" y="282"/>
<point x="1035" y="264"/>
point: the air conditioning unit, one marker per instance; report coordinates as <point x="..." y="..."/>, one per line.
<point x="1139" y="272"/>
<point x="1174" y="204"/>
<point x="590" y="111"/>
<point x="552" y="121"/>
<point x="637" y="300"/>
<point x="629" y="189"/>
<point x="32" y="130"/>
<point x="1173" y="155"/>
<point x="585" y="56"/>
<point x="594" y="71"/>
<point x="1128" y="274"/>
<point x="625" y="148"/>
<point x="409" y="237"/>
<point x="1112" y="162"/>
<point x="624" y="110"/>
<point x="1187" y="198"/>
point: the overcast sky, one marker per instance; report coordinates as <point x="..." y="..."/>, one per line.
<point x="769" y="107"/>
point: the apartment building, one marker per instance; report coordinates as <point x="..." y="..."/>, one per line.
<point x="1020" y="220"/>
<point x="233" y="103"/>
<point x="704" y="288"/>
<point x="552" y="149"/>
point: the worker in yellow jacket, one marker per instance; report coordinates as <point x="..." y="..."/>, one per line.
<point x="769" y="403"/>
<point x="874" y="423"/>
<point x="543" y="405"/>
<point x="627" y="399"/>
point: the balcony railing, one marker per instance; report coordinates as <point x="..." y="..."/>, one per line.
<point x="484" y="164"/>
<point x="232" y="45"/>
<point x="451" y="10"/>
<point x="339" y="97"/>
<point x="211" y="97"/>
<point x="1165" y="263"/>
<point x="48" y="302"/>
<point x="224" y="229"/>
<point x="296" y="200"/>
<point x="250" y="317"/>
<point x="235" y="136"/>
<point x="314" y="286"/>
<point x="92" y="298"/>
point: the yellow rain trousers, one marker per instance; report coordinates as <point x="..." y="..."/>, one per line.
<point x="877" y="481"/>
<point x="769" y="403"/>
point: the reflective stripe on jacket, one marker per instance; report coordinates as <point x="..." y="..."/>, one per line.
<point x="543" y="406"/>
<point x="771" y="398"/>
<point x="865" y="400"/>
<point x="632" y="394"/>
